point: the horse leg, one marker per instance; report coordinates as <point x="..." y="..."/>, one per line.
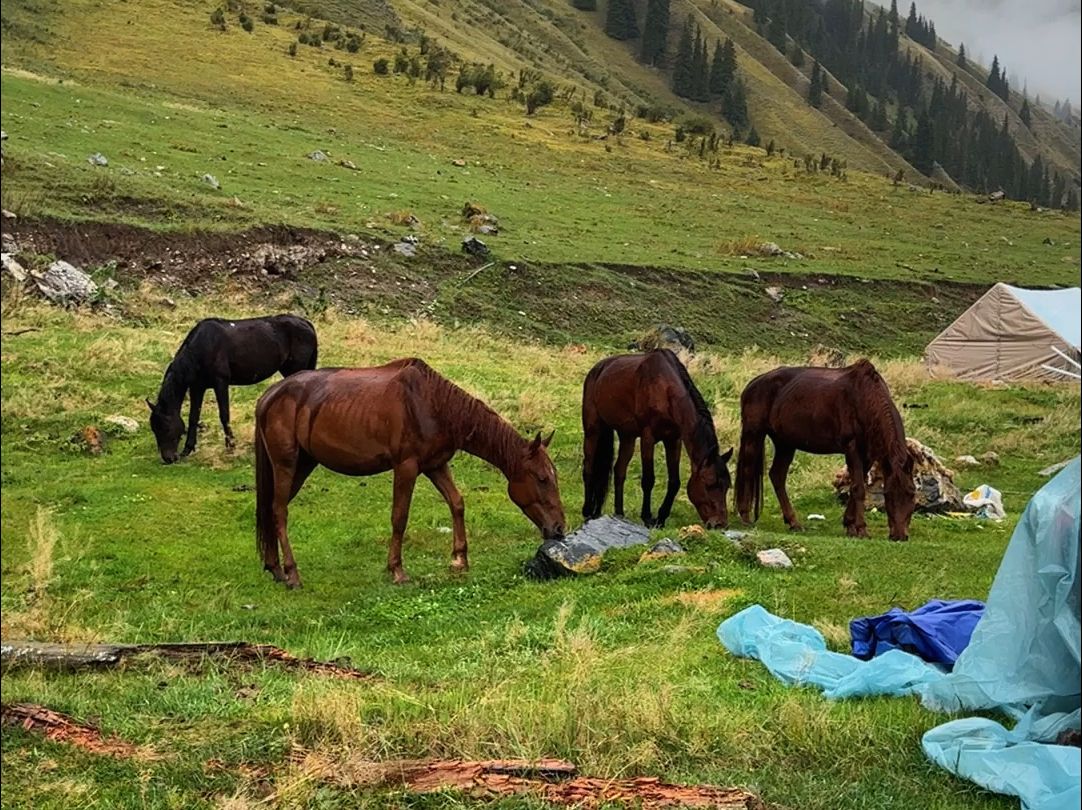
<point x="647" y="450"/>
<point x="619" y="473"/>
<point x="443" y="481"/>
<point x="405" y="477"/>
<point x="590" y="508"/>
<point x="193" y="419"/>
<point x="287" y="483"/>
<point x="221" y="394"/>
<point x="779" y="471"/>
<point x="853" y="520"/>
<point x="672" y="465"/>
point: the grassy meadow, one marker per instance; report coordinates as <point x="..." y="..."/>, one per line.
<point x="619" y="672"/>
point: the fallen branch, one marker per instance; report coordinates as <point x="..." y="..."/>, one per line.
<point x="82" y="656"/>
<point x="23" y="331"/>
<point x="62" y="728"/>
<point x="475" y="272"/>
<point x="554" y="781"/>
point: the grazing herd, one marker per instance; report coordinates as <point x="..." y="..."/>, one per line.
<point x="405" y="418"/>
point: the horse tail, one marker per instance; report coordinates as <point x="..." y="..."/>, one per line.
<point x="266" y="536"/>
<point x="749" y="474"/>
<point x="596" y="465"/>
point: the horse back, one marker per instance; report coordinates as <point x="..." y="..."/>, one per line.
<point x="630" y="392"/>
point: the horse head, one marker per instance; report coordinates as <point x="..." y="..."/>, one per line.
<point x="534" y="489"/>
<point x="899" y="497"/>
<point x="708" y="489"/>
<point x="168" y="427"/>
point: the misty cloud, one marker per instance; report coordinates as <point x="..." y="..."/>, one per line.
<point x="1037" y="40"/>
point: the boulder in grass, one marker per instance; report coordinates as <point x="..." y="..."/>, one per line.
<point x="65" y="284"/>
<point x="581" y="551"/>
<point x="936" y="490"/>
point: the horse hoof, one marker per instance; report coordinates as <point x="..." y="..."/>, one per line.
<point x="460" y="564"/>
<point x="400" y="578"/>
<point x="796" y="527"/>
<point x="294" y="585"/>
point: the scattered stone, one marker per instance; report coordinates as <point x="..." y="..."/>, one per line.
<point x="474" y="246"/>
<point x="816" y="516"/>
<point x="680" y="569"/>
<point x="479" y="219"/>
<point x="581" y="551"/>
<point x="1053" y="469"/>
<point x="317" y="155"/>
<point x="990" y="459"/>
<point x="666" y="547"/>
<point x="775" y="294"/>
<point x="664" y="336"/>
<point x="1048" y="241"/>
<point x="996" y="196"/>
<point x="774" y="249"/>
<point x="408" y="249"/>
<point x="693" y="531"/>
<point x="98" y="159"/>
<point x="13" y="268"/>
<point x="65" y="284"/>
<point x="277" y="260"/>
<point x="967" y="461"/>
<point x="487" y="229"/>
<point x="753" y="274"/>
<point x="936" y="490"/>
<point x="735" y="536"/>
<point x="773" y="558"/>
<point x="124" y="423"/>
<point x="348" y="164"/>
<point x="458" y="162"/>
<point x="212" y="181"/>
<point x="3" y="135"/>
<point x="8" y="214"/>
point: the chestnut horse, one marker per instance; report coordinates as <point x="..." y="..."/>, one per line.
<point x="825" y="410"/>
<point x="651" y="396"/>
<point x="402" y="417"/>
<point x="216" y="354"/>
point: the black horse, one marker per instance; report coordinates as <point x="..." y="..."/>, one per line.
<point x="218" y="353"/>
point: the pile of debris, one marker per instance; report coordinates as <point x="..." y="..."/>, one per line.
<point x="479" y="219"/>
<point x="936" y="490"/>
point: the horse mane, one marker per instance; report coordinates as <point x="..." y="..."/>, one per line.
<point x="887" y="434"/>
<point x="476" y="427"/>
<point x="704" y="436"/>
<point x="179" y="373"/>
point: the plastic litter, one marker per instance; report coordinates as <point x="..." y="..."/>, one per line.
<point x="986" y="502"/>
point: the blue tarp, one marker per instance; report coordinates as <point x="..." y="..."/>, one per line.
<point x="937" y="631"/>
<point x="1023" y="659"/>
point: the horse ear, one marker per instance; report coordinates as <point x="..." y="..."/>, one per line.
<point x="149" y="405"/>
<point x="728" y="454"/>
<point x="536" y="444"/>
<point x="548" y="439"/>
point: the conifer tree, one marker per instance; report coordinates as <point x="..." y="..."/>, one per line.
<point x="734" y="104"/>
<point x="655" y="31"/>
<point x="700" y="71"/>
<point x="815" y="91"/>
<point x="1025" y="115"/>
<point x="723" y="67"/>
<point x="796" y="56"/>
<point x="775" y="32"/>
<point x="620" y="20"/>
<point x="923" y="143"/>
<point x="962" y="55"/>
<point x="585" y="5"/>
<point x="681" y="70"/>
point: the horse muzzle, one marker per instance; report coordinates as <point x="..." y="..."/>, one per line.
<point x="553" y="533"/>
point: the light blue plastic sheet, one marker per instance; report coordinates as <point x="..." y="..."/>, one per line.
<point x="1023" y="660"/>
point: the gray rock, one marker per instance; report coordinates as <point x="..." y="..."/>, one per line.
<point x="581" y="551"/>
<point x="775" y="294"/>
<point x="735" y="536"/>
<point x="666" y="547"/>
<point x="773" y="558"/>
<point x="967" y="461"/>
<point x="277" y="260"/>
<point x="13" y="268"/>
<point x="1053" y="469"/>
<point x="65" y="284"/>
<point x="3" y="135"/>
<point x="753" y="274"/>
<point x="408" y="249"/>
<point x="990" y="459"/>
<point x="212" y="181"/>
<point x="98" y="159"/>
<point x="317" y="155"/>
<point x="664" y="336"/>
<point x="124" y="424"/>
<point x="348" y="164"/>
<point x="8" y="214"/>
<point x="474" y="246"/>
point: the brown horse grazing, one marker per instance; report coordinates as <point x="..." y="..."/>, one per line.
<point x="402" y="417"/>
<point x="651" y="396"/>
<point x="825" y="410"/>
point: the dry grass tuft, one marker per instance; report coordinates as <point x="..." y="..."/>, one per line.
<point x="744" y="246"/>
<point x="706" y="601"/>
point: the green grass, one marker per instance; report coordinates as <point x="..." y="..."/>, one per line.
<point x="619" y="672"/>
<point x="143" y="95"/>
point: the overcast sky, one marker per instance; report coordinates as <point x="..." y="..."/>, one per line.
<point x="1037" y="40"/>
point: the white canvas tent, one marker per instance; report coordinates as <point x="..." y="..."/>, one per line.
<point x="1013" y="334"/>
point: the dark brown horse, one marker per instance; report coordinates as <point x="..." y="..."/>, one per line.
<point x="216" y="354"/>
<point x="825" y="410"/>
<point x="651" y="396"/>
<point x="401" y="417"/>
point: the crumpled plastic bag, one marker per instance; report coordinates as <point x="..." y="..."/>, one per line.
<point x="986" y="501"/>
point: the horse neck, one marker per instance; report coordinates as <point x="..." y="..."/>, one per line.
<point x="482" y="432"/>
<point x="696" y="431"/>
<point x="174" y="386"/>
<point x="883" y="424"/>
